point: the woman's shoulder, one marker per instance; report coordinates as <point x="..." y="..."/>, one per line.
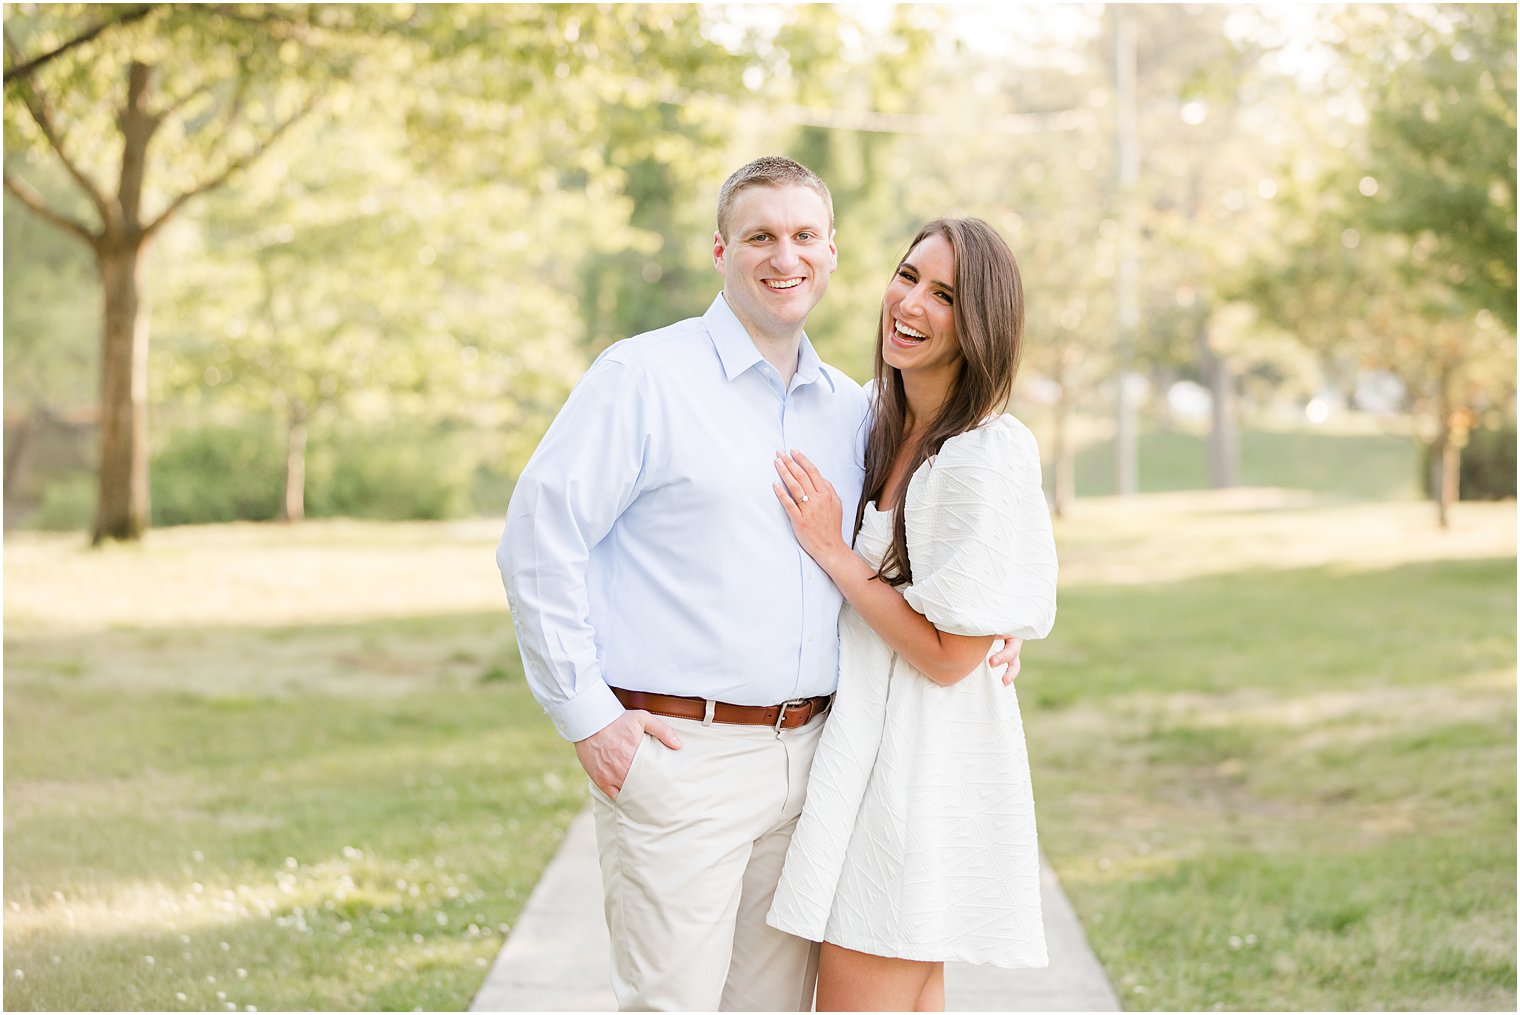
<point x="996" y="441"/>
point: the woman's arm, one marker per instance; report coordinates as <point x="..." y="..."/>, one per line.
<point x="816" y="514"/>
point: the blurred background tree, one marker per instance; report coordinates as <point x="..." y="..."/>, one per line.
<point x="385" y="240"/>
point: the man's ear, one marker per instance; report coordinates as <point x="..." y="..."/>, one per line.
<point x="833" y="253"/>
<point x="718" y="248"/>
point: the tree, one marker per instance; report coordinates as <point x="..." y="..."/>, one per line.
<point x="1397" y="246"/>
<point x="208" y="90"/>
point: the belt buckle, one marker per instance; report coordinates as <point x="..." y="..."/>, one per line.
<point x="781" y="712"/>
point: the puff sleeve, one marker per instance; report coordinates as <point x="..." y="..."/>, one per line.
<point x="979" y="536"/>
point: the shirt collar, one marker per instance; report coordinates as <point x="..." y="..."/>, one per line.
<point x="738" y="352"/>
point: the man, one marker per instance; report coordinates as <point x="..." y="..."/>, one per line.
<point x="669" y="622"/>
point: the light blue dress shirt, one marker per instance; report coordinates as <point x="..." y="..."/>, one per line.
<point x="644" y="547"/>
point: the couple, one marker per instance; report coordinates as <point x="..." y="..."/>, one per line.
<point x="676" y="556"/>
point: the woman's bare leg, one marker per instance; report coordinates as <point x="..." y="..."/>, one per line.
<point x="932" y="998"/>
<point x="855" y="981"/>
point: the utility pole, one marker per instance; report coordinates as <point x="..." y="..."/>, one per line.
<point x="1126" y="443"/>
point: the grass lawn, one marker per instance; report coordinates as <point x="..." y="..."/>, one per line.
<point x="1350" y="459"/>
<point x="1273" y="745"/>
<point x="210" y="806"/>
<point x="1282" y="776"/>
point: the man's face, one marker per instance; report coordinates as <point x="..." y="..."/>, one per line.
<point x="777" y="259"/>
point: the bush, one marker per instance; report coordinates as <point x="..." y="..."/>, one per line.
<point x="396" y="472"/>
<point x="225" y="473"/>
<point x="1488" y="465"/>
<point x="218" y="474"/>
<point x="68" y="504"/>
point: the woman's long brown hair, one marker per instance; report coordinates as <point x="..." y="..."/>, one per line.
<point x="989" y="322"/>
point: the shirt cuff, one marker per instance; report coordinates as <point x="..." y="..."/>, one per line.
<point x="588" y="712"/>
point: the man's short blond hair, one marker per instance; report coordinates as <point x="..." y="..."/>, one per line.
<point x="770" y="171"/>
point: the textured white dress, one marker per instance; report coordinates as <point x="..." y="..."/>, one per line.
<point x="918" y="836"/>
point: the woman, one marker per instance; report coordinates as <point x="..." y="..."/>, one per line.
<point x="917" y="843"/>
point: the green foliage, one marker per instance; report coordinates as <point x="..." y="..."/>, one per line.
<point x="52" y="312"/>
<point x="1442" y="137"/>
<point x="236" y="472"/>
<point x="218" y="473"/>
<point x="1487" y="470"/>
<point x="391" y="472"/>
<point x="68" y="504"/>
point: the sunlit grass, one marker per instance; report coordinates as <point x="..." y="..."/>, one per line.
<point x="1272" y="739"/>
<point x="1349" y="460"/>
<point x="1280" y="773"/>
<point x="247" y="811"/>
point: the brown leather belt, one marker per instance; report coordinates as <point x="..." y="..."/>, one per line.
<point x="785" y="716"/>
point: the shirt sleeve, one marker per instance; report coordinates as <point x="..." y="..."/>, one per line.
<point x="984" y="531"/>
<point x="587" y="470"/>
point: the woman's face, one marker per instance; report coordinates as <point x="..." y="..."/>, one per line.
<point x="918" y="312"/>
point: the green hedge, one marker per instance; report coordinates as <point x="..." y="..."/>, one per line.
<point x="237" y="473"/>
<point x="1487" y="465"/>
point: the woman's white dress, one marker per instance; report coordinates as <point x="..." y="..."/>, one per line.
<point x="918" y="836"/>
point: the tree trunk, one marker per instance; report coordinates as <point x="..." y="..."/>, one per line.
<point x="294" y="509"/>
<point x="122" y="510"/>
<point x="121" y="255"/>
<point x="18" y="455"/>
<point x="1444" y="458"/>
<point x="1064" y="487"/>
<point x="1224" y="438"/>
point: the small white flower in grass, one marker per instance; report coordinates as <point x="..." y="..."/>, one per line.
<point x="417" y="939"/>
<point x="231" y="1006"/>
<point x="58" y="896"/>
<point x="242" y="974"/>
<point x="150" y="960"/>
<point x="184" y="939"/>
<point x="1235" y="942"/>
<point x="57" y="959"/>
<point x="197" y="888"/>
<point x="1250" y="939"/>
<point x="480" y="962"/>
<point x="197" y="855"/>
<point x="210" y="979"/>
<point x="1138" y="988"/>
<point x="19" y="974"/>
<point x="290" y="862"/>
<point x="224" y="946"/>
<point x="251" y="1007"/>
<point x="441" y="919"/>
<point x="504" y="927"/>
<point x="350" y="853"/>
<point x="221" y="995"/>
<point x="179" y="995"/>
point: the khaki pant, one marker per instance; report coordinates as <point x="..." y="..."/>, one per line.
<point x="691" y="851"/>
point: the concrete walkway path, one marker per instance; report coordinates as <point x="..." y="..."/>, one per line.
<point x="556" y="958"/>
